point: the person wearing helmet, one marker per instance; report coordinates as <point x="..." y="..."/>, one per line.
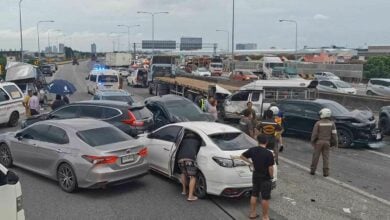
<point x="323" y="137"/>
<point x="278" y="120"/>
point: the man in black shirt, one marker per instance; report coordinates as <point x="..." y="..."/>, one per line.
<point x="262" y="161"/>
<point x="186" y="157"/>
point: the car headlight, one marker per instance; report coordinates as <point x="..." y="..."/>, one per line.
<point x="19" y="203"/>
<point x="358" y="124"/>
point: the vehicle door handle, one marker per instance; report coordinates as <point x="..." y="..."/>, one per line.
<point x="166" y="149"/>
<point x="59" y="151"/>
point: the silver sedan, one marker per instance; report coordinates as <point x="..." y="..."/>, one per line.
<point x="84" y="153"/>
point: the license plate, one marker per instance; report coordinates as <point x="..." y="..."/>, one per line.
<point x="108" y="86"/>
<point x="378" y="136"/>
<point x="128" y="158"/>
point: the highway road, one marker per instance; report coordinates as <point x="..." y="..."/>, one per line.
<point x="358" y="187"/>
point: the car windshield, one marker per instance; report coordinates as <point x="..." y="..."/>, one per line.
<point x="216" y="65"/>
<point x="342" y="84"/>
<point x="102" y="136"/>
<point x="108" y="78"/>
<point x="121" y="98"/>
<point x="233" y="141"/>
<point x="336" y="108"/>
<point x="184" y="109"/>
<point x="202" y="70"/>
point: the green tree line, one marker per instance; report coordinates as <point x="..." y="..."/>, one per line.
<point x="377" y="67"/>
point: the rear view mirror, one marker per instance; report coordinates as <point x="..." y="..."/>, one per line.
<point x="19" y="136"/>
<point x="12" y="178"/>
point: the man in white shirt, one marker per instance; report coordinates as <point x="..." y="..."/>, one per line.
<point x="34" y="104"/>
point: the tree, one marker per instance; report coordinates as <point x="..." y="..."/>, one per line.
<point x="377" y="67"/>
<point x="3" y="62"/>
<point x="68" y="53"/>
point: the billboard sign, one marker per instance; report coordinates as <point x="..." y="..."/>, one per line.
<point x="159" y="44"/>
<point x="190" y="43"/>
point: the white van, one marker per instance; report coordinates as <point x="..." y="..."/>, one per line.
<point x="264" y="92"/>
<point x="11" y="206"/>
<point x="102" y="79"/>
<point x="11" y="103"/>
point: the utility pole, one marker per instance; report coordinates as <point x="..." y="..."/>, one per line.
<point x="233" y="39"/>
<point x="152" y="14"/>
<point x="21" y="32"/>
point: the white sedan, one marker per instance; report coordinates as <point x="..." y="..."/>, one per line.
<point x="201" y="72"/>
<point x="10" y="195"/>
<point x="218" y="174"/>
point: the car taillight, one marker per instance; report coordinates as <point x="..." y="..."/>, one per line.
<point x="143" y="152"/>
<point x="132" y="120"/>
<point x="100" y="159"/>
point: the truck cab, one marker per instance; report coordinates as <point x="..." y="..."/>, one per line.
<point x="161" y="65"/>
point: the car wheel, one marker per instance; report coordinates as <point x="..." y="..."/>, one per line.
<point x="5" y="155"/>
<point x="345" y="138"/>
<point x="150" y="91"/>
<point x="369" y="92"/>
<point x="200" y="187"/>
<point x="66" y="178"/>
<point x="13" y="119"/>
<point x="384" y="125"/>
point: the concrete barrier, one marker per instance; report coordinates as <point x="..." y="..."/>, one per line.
<point x="357" y="101"/>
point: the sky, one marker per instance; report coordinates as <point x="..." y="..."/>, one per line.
<point x="78" y="23"/>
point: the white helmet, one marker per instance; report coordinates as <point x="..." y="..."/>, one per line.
<point x="325" y="113"/>
<point x="274" y="109"/>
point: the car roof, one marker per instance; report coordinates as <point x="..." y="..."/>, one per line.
<point x="78" y="124"/>
<point x="112" y="92"/>
<point x="165" y="98"/>
<point x="7" y="84"/>
<point x="383" y="79"/>
<point x="319" y="101"/>
<point x="104" y="72"/>
<point x="110" y="103"/>
<point x="208" y="127"/>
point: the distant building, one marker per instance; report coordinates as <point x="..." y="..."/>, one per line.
<point x="246" y="46"/>
<point x="93" y="48"/>
<point x="48" y="50"/>
<point x="373" y="51"/>
<point x="55" y="50"/>
<point x="61" y="48"/>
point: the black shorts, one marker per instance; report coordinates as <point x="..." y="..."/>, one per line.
<point x="261" y="186"/>
<point x="34" y="112"/>
<point x="188" y="167"/>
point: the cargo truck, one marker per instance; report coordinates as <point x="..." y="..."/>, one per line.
<point x="118" y="59"/>
<point x="160" y="65"/>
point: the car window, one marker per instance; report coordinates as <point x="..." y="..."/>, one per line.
<point x="36" y="132"/>
<point x="3" y="96"/>
<point x="325" y="83"/>
<point x="184" y="110"/>
<point x="167" y="134"/>
<point x="240" y="96"/>
<point x="102" y="136"/>
<point x="13" y="91"/>
<point x="57" y="135"/>
<point x="233" y="141"/>
<point x="110" y="113"/>
<point x="92" y="78"/>
<point x="91" y="112"/>
<point x="142" y="113"/>
<point x="255" y="96"/>
<point x="108" y="78"/>
<point x="120" y="98"/>
<point x="96" y="97"/>
<point x="66" y="112"/>
<point x="311" y="110"/>
<point x="291" y="108"/>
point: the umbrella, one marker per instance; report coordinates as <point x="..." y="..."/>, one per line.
<point x="61" y="87"/>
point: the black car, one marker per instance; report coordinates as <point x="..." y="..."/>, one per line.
<point x="132" y="119"/>
<point x="168" y="109"/>
<point x="46" y="70"/>
<point x="384" y="120"/>
<point x="353" y="127"/>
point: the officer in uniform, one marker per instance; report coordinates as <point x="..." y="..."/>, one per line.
<point x="269" y="128"/>
<point x="324" y="136"/>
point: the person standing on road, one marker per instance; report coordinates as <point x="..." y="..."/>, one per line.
<point x="186" y="157"/>
<point x="58" y="102"/>
<point x="33" y="104"/>
<point x="26" y="102"/>
<point x="278" y="120"/>
<point x="323" y="137"/>
<point x="246" y="124"/>
<point x="269" y="128"/>
<point x="211" y="107"/>
<point x="65" y="99"/>
<point x="262" y="161"/>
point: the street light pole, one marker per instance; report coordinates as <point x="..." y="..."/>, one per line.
<point x="128" y="33"/>
<point x="153" y="14"/>
<point x="228" y="38"/>
<point x="233" y="36"/>
<point x="296" y="35"/>
<point x="39" y="48"/>
<point x="21" y="33"/>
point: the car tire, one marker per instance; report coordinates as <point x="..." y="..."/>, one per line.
<point x="13" y="119"/>
<point x="150" y="91"/>
<point x="384" y="125"/>
<point x="5" y="155"/>
<point x="66" y="178"/>
<point x="345" y="138"/>
<point x="369" y="92"/>
<point x="200" y="186"/>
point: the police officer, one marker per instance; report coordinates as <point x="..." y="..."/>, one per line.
<point x="324" y="136"/>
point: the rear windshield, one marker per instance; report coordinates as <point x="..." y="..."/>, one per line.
<point x="336" y="108"/>
<point x="102" y="136"/>
<point x="121" y="98"/>
<point x="233" y="141"/>
<point x="184" y="109"/>
<point x="142" y="113"/>
<point x="108" y="78"/>
<point x="13" y="91"/>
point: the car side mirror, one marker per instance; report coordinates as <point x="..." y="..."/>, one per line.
<point x="12" y="178"/>
<point x="19" y="136"/>
<point x="150" y="135"/>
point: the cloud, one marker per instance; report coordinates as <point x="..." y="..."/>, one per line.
<point x="320" y="17"/>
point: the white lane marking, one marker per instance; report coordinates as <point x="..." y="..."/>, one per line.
<point x="379" y="153"/>
<point x="340" y="183"/>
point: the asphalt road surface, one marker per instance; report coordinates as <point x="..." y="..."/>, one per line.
<point x="358" y="187"/>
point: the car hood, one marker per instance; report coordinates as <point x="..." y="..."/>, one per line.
<point x="365" y="116"/>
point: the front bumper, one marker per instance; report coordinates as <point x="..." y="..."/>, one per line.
<point x="368" y="136"/>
